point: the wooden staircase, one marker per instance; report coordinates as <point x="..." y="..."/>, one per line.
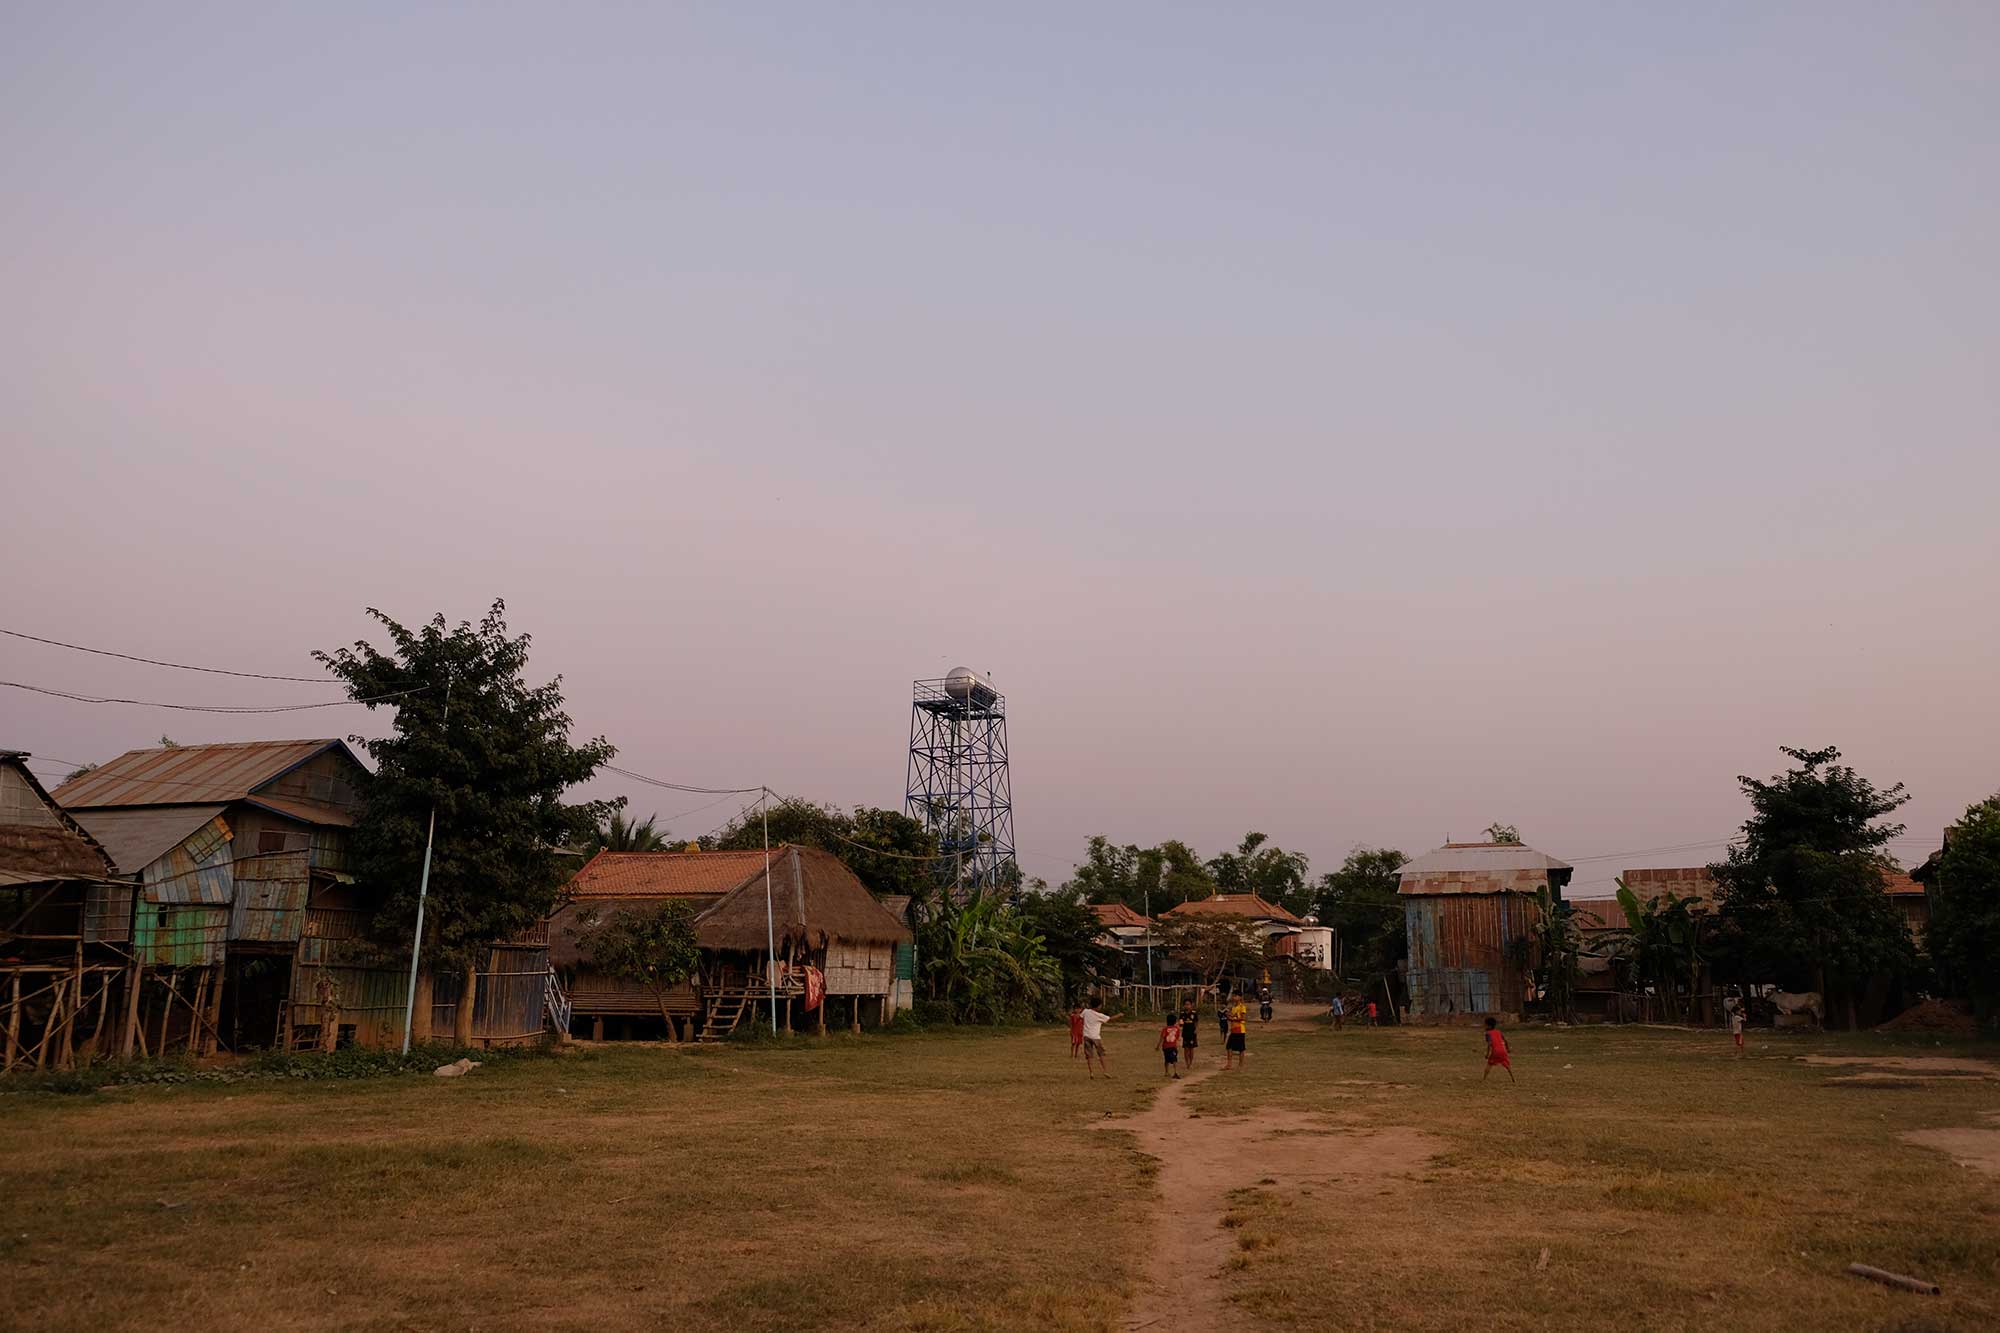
<point x="724" y="1013"/>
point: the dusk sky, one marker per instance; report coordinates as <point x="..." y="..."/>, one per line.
<point x="1355" y="423"/>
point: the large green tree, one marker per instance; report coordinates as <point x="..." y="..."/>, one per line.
<point x="1801" y="897"/>
<point x="653" y="946"/>
<point x="491" y="755"/>
<point x="1359" y="900"/>
<point x="1260" y="866"/>
<point x="887" y="850"/>
<point x="1963" y="884"/>
<point x="1162" y="877"/>
<point x="1069" y="931"/>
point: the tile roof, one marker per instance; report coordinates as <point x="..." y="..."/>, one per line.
<point x="1118" y="914"/>
<point x="1898" y="884"/>
<point x="1247" y="905"/>
<point x="665" y="874"/>
<point x="188" y="774"/>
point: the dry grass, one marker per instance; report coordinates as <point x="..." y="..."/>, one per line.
<point x="945" y="1182"/>
<point x="1673" y="1185"/>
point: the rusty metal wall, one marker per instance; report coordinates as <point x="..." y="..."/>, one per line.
<point x="1463" y="950"/>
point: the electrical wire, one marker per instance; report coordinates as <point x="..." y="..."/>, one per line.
<point x="154" y="661"/>
<point x="208" y="708"/>
<point x="675" y="786"/>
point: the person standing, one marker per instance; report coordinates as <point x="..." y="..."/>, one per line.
<point x="1075" y="1030"/>
<point x="1496" y="1051"/>
<point x="1169" y="1045"/>
<point x="1190" y="1034"/>
<point x="1222" y="1013"/>
<point x="1371" y="1013"/>
<point x="1339" y="1013"/>
<point x="1736" y="1026"/>
<point x="1234" y="1047"/>
<point x="1094" y="1020"/>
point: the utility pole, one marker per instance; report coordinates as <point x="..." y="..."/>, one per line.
<point x="423" y="891"/>
<point x="1149" y="937"/>
<point x="770" y="915"/>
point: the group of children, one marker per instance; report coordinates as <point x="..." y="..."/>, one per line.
<point x="1179" y="1035"/>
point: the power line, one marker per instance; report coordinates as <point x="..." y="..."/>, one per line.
<point x="674" y="786"/>
<point x="208" y="708"/>
<point x="154" y="661"/>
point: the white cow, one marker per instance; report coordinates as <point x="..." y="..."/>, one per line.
<point x="1805" y="1002"/>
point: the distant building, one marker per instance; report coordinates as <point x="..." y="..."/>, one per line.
<point x="1286" y="934"/>
<point x="1471" y="909"/>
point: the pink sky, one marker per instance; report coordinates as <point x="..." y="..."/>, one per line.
<point x="1360" y="428"/>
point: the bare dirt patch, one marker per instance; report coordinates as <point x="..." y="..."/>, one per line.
<point x="1976" y="1148"/>
<point x="1915" y="1064"/>
<point x="1203" y="1159"/>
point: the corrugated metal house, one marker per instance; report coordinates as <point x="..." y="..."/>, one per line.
<point x="1470" y="909"/>
<point x="64" y="980"/>
<point x="240" y="853"/>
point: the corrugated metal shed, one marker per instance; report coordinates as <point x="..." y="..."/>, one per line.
<point x="198" y="869"/>
<point x="190" y="774"/>
<point x="270" y="906"/>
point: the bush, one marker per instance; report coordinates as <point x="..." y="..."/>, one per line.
<point x="347" y="1063"/>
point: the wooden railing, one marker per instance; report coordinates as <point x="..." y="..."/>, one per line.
<point x="556" y="1001"/>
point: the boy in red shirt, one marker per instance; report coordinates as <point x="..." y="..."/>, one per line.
<point x="1496" y="1051"/>
<point x="1075" y="1030"/>
<point x="1170" y="1045"/>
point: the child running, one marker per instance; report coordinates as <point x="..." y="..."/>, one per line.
<point x="1234" y="1048"/>
<point x="1496" y="1051"/>
<point x="1093" y="1039"/>
<point x="1190" y="1033"/>
<point x="1170" y="1045"/>
<point x="1075" y="1030"/>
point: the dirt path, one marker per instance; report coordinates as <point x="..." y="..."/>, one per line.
<point x="1202" y="1159"/>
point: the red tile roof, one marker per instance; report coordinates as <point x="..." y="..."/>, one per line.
<point x="665" y="874"/>
<point x="1246" y="905"/>
<point x="1118" y="914"/>
<point x="1898" y="884"/>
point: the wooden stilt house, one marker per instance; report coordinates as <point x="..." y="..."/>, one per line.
<point x="66" y="979"/>
<point x="836" y="947"/>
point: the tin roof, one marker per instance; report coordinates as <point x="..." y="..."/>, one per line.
<point x="1249" y="906"/>
<point x="137" y="838"/>
<point x="1482" y="856"/>
<point x="189" y="774"/>
<point x="665" y="874"/>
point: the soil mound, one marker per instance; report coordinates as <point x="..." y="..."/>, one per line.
<point x="1943" y="1016"/>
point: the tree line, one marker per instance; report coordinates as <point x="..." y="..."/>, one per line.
<point x="490" y="755"/>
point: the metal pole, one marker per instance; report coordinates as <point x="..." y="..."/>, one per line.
<point x="1149" y="938"/>
<point x="423" y="893"/>
<point x="770" y="916"/>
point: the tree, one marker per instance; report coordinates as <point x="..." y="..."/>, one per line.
<point x="654" y="947"/>
<point x="1801" y="898"/>
<point x="1963" y="884"/>
<point x="1069" y="932"/>
<point x="1214" y="946"/>
<point x="491" y="755"/>
<point x="1359" y="901"/>
<point x="79" y="772"/>
<point x="620" y="834"/>
<point x="1152" y="877"/>
<point x="1662" y="942"/>
<point x="887" y="850"/>
<point x="1272" y="873"/>
<point x="983" y="963"/>
<point x="1503" y="833"/>
<point x="1558" y="943"/>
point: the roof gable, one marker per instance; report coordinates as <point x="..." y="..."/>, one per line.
<point x="193" y="774"/>
<point x="814" y="896"/>
<point x="38" y="839"/>
<point x="1248" y="906"/>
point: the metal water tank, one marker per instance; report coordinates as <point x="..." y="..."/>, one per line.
<point x="961" y="683"/>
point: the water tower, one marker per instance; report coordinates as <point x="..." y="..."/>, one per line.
<point x="958" y="781"/>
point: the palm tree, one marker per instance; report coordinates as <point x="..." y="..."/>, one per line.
<point x="627" y="835"/>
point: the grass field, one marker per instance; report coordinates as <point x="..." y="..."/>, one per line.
<point x="952" y="1181"/>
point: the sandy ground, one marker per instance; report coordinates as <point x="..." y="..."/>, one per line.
<point x="1915" y="1064"/>
<point x="1202" y="1160"/>
<point x="1976" y="1148"/>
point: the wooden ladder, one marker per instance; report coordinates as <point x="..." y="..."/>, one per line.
<point x="723" y="1015"/>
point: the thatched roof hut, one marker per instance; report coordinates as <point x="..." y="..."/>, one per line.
<point x="815" y="903"/>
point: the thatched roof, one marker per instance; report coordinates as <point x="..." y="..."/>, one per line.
<point x="38" y="841"/>
<point x="813" y="897"/>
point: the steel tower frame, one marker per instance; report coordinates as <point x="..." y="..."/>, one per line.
<point x="958" y="782"/>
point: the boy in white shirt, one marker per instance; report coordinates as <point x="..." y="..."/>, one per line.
<point x="1093" y="1039"/>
